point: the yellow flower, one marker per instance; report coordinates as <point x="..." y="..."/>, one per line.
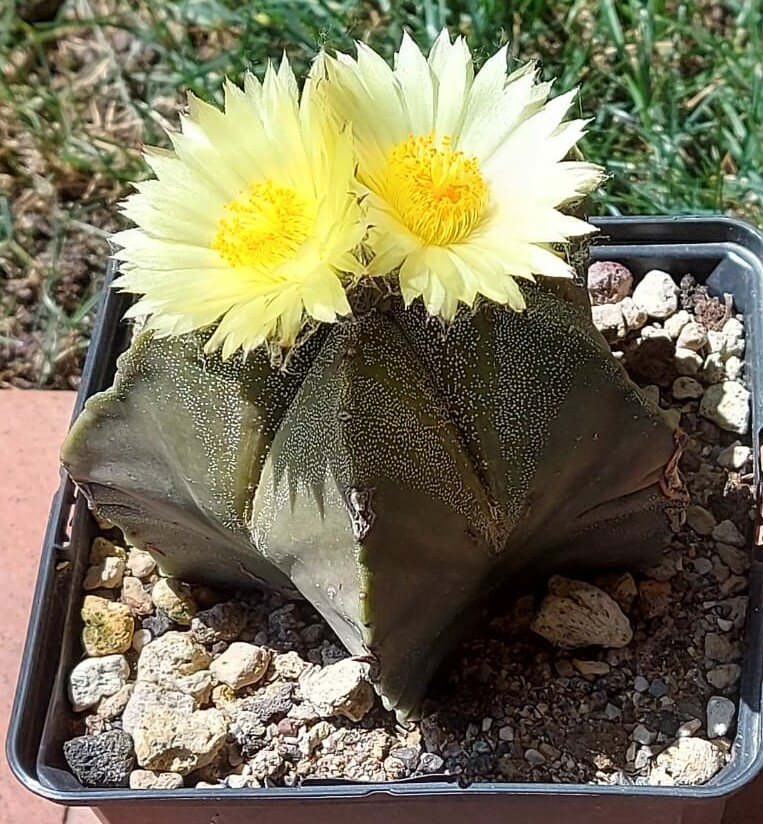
<point x="251" y="223"/>
<point x="465" y="174"/>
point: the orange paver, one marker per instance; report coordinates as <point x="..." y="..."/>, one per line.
<point x="32" y="424"/>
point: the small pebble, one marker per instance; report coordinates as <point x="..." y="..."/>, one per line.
<point x="429" y="763"/>
<point x="534" y="757"/>
<point x="506" y="734"/>
<point x="720" y="715"/>
<point x="687" y="362"/>
<point x="688" y="761"/>
<point x="640" y="684"/>
<point x="688" y="728"/>
<point x="96" y="678"/>
<point x="735" y="456"/>
<point x="701" y="520"/>
<point x="727" y="533"/>
<point x="102" y="760"/>
<point x="240" y="665"/>
<point x="148" y="780"/>
<point x="692" y="336"/>
<point x="102" y="548"/>
<point x="107" y="626"/>
<point x="140" y="564"/>
<point x="175" y="599"/>
<point x="608" y="282"/>
<point x="675" y="323"/>
<point x="734" y="368"/>
<point x="105" y="575"/>
<point x="135" y="596"/>
<point x="657" y="294"/>
<point x="140" y="638"/>
<point x="658" y="688"/>
<point x="578" y="614"/>
<point x="176" y="662"/>
<point x="727" y="404"/>
<point x="686" y="388"/>
<point x="719" y="648"/>
<point x="642" y="735"/>
<point x="713" y="369"/>
<point x="222" y="622"/>
<point x="170" y="741"/>
<point x="724" y="676"/>
<point x="342" y="688"/>
<point x="737" y="560"/>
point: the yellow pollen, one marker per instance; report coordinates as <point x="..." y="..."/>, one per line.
<point x="264" y="227"/>
<point x="438" y="193"/>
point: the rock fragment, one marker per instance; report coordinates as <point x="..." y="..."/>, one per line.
<point x="578" y="614"/>
<point x="97" y="678"/>
<point x="103" y="760"/>
<point x="108" y="626"/>
<point x="343" y="688"/>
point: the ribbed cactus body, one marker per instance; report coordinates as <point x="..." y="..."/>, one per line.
<point x="396" y="475"/>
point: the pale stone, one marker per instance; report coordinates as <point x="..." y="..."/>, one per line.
<point x="175" y="599"/>
<point x="241" y="665"/>
<point x="608" y="319"/>
<point x="687" y="362"/>
<point x="147" y="696"/>
<point x="693" y="336"/>
<point x="177" y="662"/>
<point x="720" y="716"/>
<point x="114" y="705"/>
<point x="140" y="563"/>
<point x="289" y="665"/>
<point x="148" y="780"/>
<point x="103" y="548"/>
<point x="578" y="614"/>
<point x="728" y="405"/>
<point x="688" y="761"/>
<point x="734" y="456"/>
<point x="657" y="294"/>
<point x="172" y="741"/>
<point x="713" y="369"/>
<point x="135" y="596"/>
<point x="675" y="323"/>
<point x="634" y="317"/>
<point x="105" y="575"/>
<point x="343" y="688"/>
<point x="97" y="678"/>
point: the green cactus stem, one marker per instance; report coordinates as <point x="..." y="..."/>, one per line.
<point x="396" y="476"/>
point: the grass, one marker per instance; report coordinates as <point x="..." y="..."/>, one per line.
<point x="674" y="90"/>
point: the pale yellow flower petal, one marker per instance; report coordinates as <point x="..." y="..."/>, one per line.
<point x="468" y="204"/>
<point x="253" y="223"/>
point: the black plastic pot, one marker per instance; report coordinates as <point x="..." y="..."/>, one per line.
<point x="728" y="256"/>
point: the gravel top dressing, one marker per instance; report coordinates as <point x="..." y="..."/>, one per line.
<point x="628" y="678"/>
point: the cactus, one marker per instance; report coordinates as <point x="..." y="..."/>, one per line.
<point x="396" y="474"/>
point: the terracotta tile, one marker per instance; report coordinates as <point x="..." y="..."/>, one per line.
<point x="81" y="815"/>
<point x="747" y="806"/>
<point x="31" y="427"/>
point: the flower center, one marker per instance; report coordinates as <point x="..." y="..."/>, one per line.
<point x="264" y="227"/>
<point x="438" y="193"/>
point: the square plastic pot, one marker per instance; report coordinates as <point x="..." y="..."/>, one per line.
<point x="727" y="256"/>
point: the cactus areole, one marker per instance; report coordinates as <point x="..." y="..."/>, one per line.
<point x="449" y="422"/>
